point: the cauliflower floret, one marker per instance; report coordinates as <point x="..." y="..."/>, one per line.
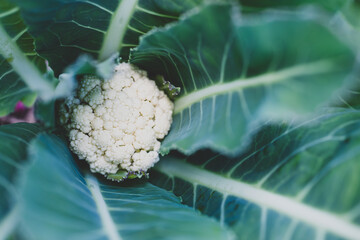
<point x="147" y="109"/>
<point x="162" y="122"/>
<point x="94" y="97"/>
<point x="145" y="139"/>
<point x="97" y="123"/>
<point x="120" y="154"/>
<point x="144" y="159"/>
<point x="120" y="82"/>
<point x="82" y="116"/>
<point x="116" y="124"/>
<point x="88" y="84"/>
<point x="81" y="144"/>
<point x="102" y="166"/>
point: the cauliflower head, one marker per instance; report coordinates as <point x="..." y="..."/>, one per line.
<point x="116" y="124"/>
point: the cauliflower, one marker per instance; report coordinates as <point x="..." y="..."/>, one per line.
<point x="116" y="124"/>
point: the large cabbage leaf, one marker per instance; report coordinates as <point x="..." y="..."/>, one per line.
<point x="65" y="29"/>
<point x="14" y="140"/>
<point x="54" y="199"/>
<point x="24" y="73"/>
<point x="240" y="74"/>
<point x="293" y="182"/>
<point x="330" y="5"/>
<point x="237" y="72"/>
<point x="21" y="69"/>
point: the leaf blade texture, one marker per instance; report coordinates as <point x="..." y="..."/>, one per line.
<point x="288" y="184"/>
<point x="236" y="72"/>
<point x="71" y="206"/>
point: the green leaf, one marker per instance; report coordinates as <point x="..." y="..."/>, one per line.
<point x="21" y="69"/>
<point x="351" y="12"/>
<point x="29" y="100"/>
<point x="14" y="140"/>
<point x="12" y="89"/>
<point x="350" y="97"/>
<point x="63" y="30"/>
<point x="46" y="111"/>
<point x="332" y="5"/>
<point x="58" y="201"/>
<point x="85" y="64"/>
<point x="236" y="72"/>
<point x="344" y="13"/>
<point x="293" y="182"/>
<point x="170" y="90"/>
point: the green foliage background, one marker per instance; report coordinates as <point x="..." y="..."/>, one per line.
<point x="265" y="136"/>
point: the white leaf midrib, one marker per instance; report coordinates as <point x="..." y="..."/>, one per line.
<point x="9" y="12"/>
<point x="285" y="205"/>
<point x="28" y="72"/>
<point x="9" y="222"/>
<point x="317" y="67"/>
<point x="114" y="36"/>
<point x="106" y="219"/>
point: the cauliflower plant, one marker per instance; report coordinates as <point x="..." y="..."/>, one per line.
<point x="116" y="124"/>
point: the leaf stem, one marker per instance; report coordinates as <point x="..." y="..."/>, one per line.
<point x="117" y="28"/>
<point x="28" y="72"/>
<point x="107" y="221"/>
<point x="318" y="67"/>
<point x="264" y="198"/>
<point x="9" y="223"/>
